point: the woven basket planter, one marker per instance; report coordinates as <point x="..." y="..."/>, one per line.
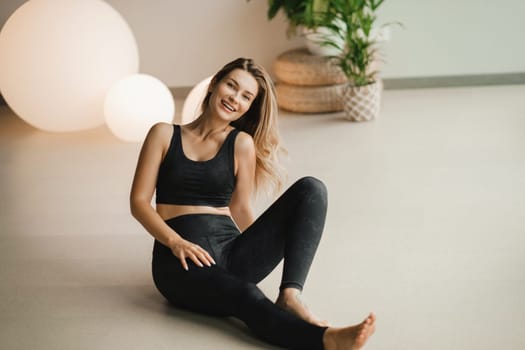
<point x="361" y="103"/>
<point x="310" y="99"/>
<point x="299" y="67"/>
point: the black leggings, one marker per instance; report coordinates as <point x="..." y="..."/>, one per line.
<point x="290" y="228"/>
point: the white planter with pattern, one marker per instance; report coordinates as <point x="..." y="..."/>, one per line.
<point x="362" y="103"/>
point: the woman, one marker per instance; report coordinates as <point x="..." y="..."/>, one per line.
<point x="205" y="174"/>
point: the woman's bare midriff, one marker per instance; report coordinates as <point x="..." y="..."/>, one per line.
<point x="169" y="211"/>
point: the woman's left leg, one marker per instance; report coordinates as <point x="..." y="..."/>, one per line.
<point x="290" y="228"/>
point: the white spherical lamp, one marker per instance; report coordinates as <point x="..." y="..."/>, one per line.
<point x="191" y="108"/>
<point x="58" y="59"/>
<point x="136" y="102"/>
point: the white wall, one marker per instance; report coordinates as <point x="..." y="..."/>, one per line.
<point x="182" y="41"/>
<point x="454" y="37"/>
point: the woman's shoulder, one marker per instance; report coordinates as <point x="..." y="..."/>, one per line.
<point x="244" y="142"/>
<point x="161" y="129"/>
<point x="160" y="132"/>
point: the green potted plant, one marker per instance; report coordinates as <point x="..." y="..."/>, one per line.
<point x="348" y="27"/>
<point x="359" y="57"/>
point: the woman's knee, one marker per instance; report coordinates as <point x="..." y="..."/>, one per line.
<point x="310" y="185"/>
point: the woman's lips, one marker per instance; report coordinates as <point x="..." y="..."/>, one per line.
<point x="228" y="106"/>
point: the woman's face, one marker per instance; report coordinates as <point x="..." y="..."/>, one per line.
<point x="233" y="95"/>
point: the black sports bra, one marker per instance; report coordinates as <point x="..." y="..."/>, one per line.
<point x="184" y="181"/>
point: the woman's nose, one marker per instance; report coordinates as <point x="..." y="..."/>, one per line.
<point x="232" y="98"/>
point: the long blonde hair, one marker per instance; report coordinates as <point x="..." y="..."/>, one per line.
<point x="260" y="121"/>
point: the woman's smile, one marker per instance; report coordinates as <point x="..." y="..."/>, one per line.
<point x="228" y="106"/>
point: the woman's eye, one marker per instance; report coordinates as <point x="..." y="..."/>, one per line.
<point x="247" y="98"/>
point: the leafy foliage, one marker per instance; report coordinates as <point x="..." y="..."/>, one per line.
<point x="307" y="13"/>
<point x="350" y="20"/>
<point x="358" y="17"/>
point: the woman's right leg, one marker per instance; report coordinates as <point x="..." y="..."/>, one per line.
<point x="215" y="291"/>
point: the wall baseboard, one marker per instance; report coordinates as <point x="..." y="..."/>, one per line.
<point x="454" y="81"/>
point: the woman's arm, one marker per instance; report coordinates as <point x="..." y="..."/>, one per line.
<point x="144" y="182"/>
<point x="240" y="205"/>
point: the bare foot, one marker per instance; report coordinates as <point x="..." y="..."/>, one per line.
<point x="289" y="299"/>
<point x="349" y="338"/>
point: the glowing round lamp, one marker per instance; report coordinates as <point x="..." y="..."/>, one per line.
<point x="58" y="58"/>
<point x="136" y="102"/>
<point x="191" y="108"/>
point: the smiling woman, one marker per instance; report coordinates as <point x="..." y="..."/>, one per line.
<point x="209" y="251"/>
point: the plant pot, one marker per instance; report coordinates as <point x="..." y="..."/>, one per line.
<point x="361" y="103"/>
<point x="316" y="36"/>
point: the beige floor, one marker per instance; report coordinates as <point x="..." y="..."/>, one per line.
<point x="426" y="227"/>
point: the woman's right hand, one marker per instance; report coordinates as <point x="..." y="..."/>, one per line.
<point x="184" y="249"/>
